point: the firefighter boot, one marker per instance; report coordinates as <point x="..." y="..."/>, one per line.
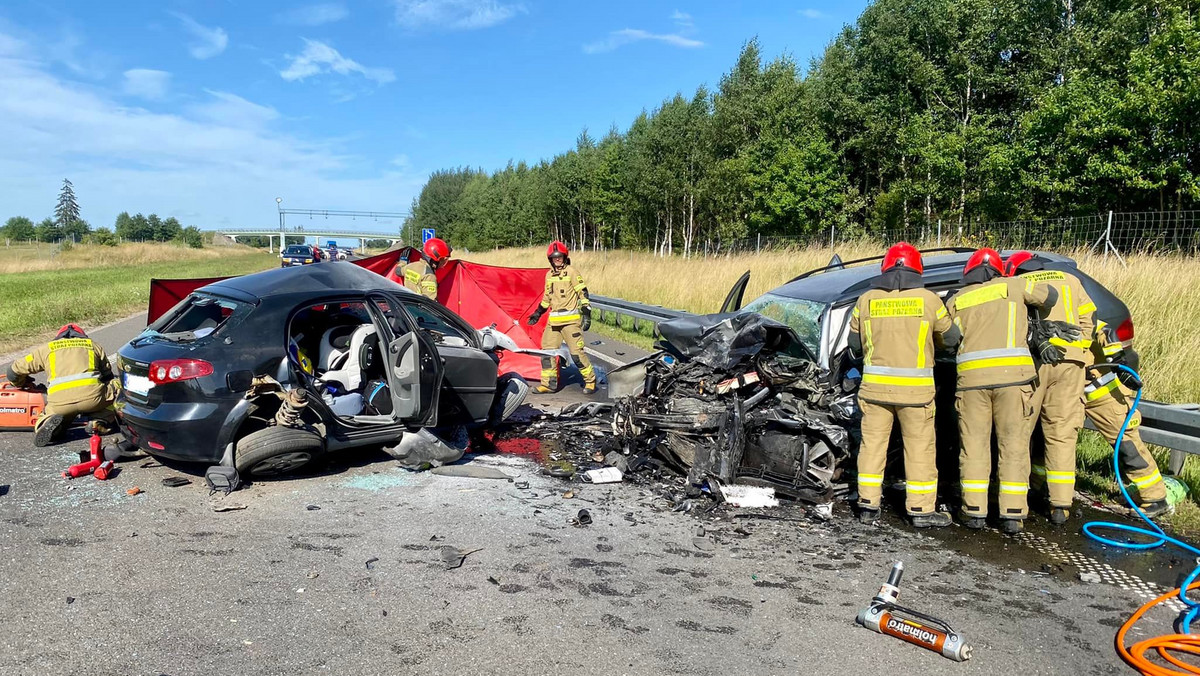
<point x="934" y="520"/>
<point x="49" y="430"/>
<point x="974" y="522"/>
<point x="1157" y="508"/>
<point x="1059" y="515"/>
<point x="542" y="389"/>
<point x="589" y="388"/>
<point x="868" y="516"/>
<point x="97" y="427"/>
<point x="1012" y="526"/>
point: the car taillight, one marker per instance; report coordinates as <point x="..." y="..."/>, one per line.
<point x="1125" y="331"/>
<point x="173" y="370"/>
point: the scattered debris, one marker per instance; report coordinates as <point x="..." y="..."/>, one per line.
<point x="470" y="472"/>
<point x="583" y="518"/>
<point x="1090" y="578"/>
<point x="3" y="490"/>
<point x="312" y="575"/>
<point x="70" y="600"/>
<point x="222" y="479"/>
<point x="176" y="481"/>
<point x="313" y="508"/>
<point x="704" y="544"/>
<point x="134" y="491"/>
<point x="492" y="580"/>
<point x="227" y="508"/>
<point x="148" y="465"/>
<point x="371" y="562"/>
<point x="453" y="557"/>
<point x="522" y="485"/>
<point x="604" y="475"/>
<point x="568" y="495"/>
<point x="750" y="496"/>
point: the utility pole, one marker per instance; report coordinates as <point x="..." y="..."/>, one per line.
<point x="279" y="208"/>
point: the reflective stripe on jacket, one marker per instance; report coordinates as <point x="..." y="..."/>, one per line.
<point x="994" y="321"/>
<point x="565" y="294"/>
<point x="419" y="277"/>
<point x="897" y="330"/>
<point x="1073" y="306"/>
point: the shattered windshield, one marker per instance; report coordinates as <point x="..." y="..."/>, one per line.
<point x="804" y="316"/>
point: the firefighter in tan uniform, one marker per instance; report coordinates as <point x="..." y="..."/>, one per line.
<point x="1107" y="397"/>
<point x="566" y="298"/>
<point x="79" y="380"/>
<point x="995" y="386"/>
<point x="1056" y="400"/>
<point x="894" y="327"/>
<point x="419" y="276"/>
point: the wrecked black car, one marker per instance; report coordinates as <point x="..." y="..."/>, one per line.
<point x="269" y="371"/>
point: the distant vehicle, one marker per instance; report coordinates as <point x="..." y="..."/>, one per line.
<point x="297" y="254"/>
<point x="212" y="379"/>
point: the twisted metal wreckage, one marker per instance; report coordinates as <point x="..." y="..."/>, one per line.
<point x="728" y="399"/>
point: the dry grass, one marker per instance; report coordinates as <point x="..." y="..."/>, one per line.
<point x="40" y="257"/>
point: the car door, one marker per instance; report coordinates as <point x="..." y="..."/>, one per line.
<point x="414" y="369"/>
<point x="470" y="373"/>
<point x="733" y="301"/>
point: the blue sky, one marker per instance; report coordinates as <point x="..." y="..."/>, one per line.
<point x="209" y="110"/>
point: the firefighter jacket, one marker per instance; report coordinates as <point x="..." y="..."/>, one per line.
<point x="565" y="295"/>
<point x="1074" y="306"/>
<point x="896" y="330"/>
<point x="994" y="321"/>
<point x="76" y="369"/>
<point x="419" y="277"/>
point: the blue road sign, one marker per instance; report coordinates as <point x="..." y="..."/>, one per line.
<point x="427" y="234"/>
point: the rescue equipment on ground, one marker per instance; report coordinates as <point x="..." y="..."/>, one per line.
<point x="885" y="616"/>
<point x="88" y="463"/>
<point x="19" y="408"/>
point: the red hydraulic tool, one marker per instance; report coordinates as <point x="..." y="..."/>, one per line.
<point x="88" y="466"/>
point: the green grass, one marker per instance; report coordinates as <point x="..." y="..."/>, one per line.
<point x="607" y="324"/>
<point x="1094" y="475"/>
<point x="37" y="302"/>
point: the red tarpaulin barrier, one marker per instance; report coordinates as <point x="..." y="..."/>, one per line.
<point x="165" y="293"/>
<point x="485" y="295"/>
<point x="481" y="294"/>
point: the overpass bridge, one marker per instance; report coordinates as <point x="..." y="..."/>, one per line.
<point x="301" y="233"/>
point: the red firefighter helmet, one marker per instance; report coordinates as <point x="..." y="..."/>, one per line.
<point x="1015" y="260"/>
<point x="904" y="254"/>
<point x="437" y="250"/>
<point x="71" y="331"/>
<point x="985" y="256"/>
<point x="557" y="248"/>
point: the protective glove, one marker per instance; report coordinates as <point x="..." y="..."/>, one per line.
<point x="1129" y="380"/>
<point x="1042" y="330"/>
<point x="537" y="315"/>
<point x="586" y="313"/>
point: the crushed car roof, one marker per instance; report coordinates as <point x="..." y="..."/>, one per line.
<point x="330" y="276"/>
<point x="840" y="284"/>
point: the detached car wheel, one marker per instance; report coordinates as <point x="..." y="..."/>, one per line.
<point x="276" y="451"/>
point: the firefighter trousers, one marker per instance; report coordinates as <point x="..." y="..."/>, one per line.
<point x="920" y="454"/>
<point x="1058" y="406"/>
<point x="572" y="335"/>
<point x="99" y="405"/>
<point x="1108" y="414"/>
<point x="1010" y="410"/>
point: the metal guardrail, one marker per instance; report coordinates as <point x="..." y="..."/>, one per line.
<point x="1172" y="426"/>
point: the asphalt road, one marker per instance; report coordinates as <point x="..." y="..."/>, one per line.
<point x="341" y="571"/>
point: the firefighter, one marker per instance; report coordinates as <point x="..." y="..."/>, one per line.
<point x="1056" y="402"/>
<point x="80" y="380"/>
<point x="995" y="386"/>
<point x="894" y="327"/>
<point x="419" y="276"/>
<point x="1107" y="397"/>
<point x="566" y="297"/>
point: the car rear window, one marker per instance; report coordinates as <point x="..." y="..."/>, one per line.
<point x="196" y="318"/>
<point x="299" y="251"/>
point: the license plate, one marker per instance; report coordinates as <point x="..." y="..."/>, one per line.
<point x="137" y="384"/>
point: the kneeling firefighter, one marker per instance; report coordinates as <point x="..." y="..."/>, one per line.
<point x="80" y="380"/>
<point x="1106" y="400"/>
<point x="894" y="327"/>
<point x="566" y="297"/>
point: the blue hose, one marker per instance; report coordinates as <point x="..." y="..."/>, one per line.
<point x="1156" y="534"/>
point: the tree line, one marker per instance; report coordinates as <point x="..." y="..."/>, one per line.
<point x="67" y="226"/>
<point x="921" y="111"/>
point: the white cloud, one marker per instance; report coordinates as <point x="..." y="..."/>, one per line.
<point x="146" y="83"/>
<point x="454" y="14"/>
<point x="315" y="15"/>
<point x="209" y="42"/>
<point x="221" y="161"/>
<point x="813" y="14"/>
<point x="684" y="21"/>
<point x="627" y="36"/>
<point x="318" y="58"/>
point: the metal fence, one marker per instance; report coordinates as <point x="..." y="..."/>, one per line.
<point x="1120" y="233"/>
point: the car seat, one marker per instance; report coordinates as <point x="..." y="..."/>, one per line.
<point x="346" y="368"/>
<point x="335" y="345"/>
